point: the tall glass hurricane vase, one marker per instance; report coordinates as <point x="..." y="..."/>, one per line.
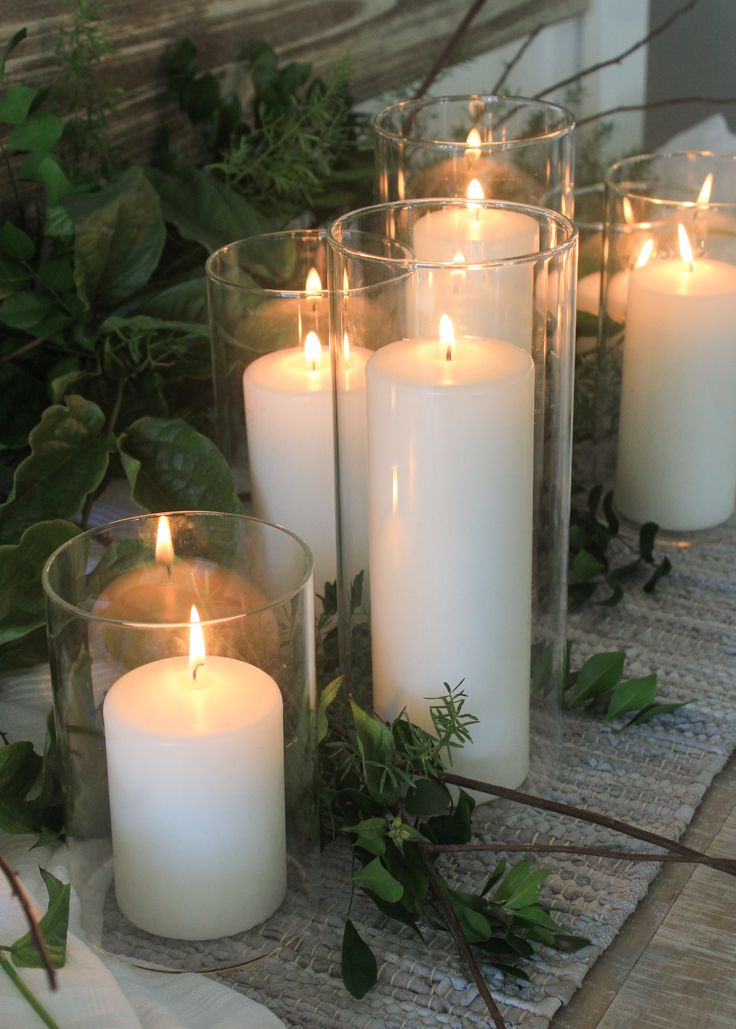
<point x="667" y="348"/>
<point x="453" y="387"/>
<point x="502" y="148"/>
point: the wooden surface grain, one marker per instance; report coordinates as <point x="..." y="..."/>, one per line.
<point x="674" y="962"/>
<point x="389" y="42"/>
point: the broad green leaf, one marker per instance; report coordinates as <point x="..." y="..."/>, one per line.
<point x="204" y="209"/>
<point x="631" y="696"/>
<point x="15" y="816"/>
<point x="13" y="275"/>
<point x="429" y="797"/>
<point x="408" y="868"/>
<point x="57" y="274"/>
<point x="455" y="827"/>
<point x="12" y="43"/>
<point x="370" y="835"/>
<point x="39" y="132"/>
<point x="495" y="876"/>
<point x="19" y="766"/>
<point x="23" y="401"/>
<point x="68" y="460"/>
<point x="119" y="236"/>
<point x="569" y="943"/>
<point x="45" y="168"/>
<point x="172" y="467"/>
<point x="359" y="968"/>
<point x="585" y="566"/>
<point x="653" y="710"/>
<point x="647" y="536"/>
<point x="15" y="243"/>
<point x="514" y="879"/>
<point x="25" y="310"/>
<point x="663" y="568"/>
<point x="600" y="674"/>
<point x="527" y="893"/>
<point x="327" y="696"/>
<point x="376" y="746"/>
<point x="15" y="103"/>
<point x="184" y="302"/>
<point x="535" y="915"/>
<point x="376" y="878"/>
<point x="53" y="925"/>
<point x="21" y="596"/>
<point x="474" y="925"/>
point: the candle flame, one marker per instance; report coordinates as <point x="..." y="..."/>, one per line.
<point x="475" y="191"/>
<point x="196" y="642"/>
<point x="164" y="545"/>
<point x="394" y="488"/>
<point x="628" y="211"/>
<point x="457" y="275"/>
<point x="345" y="283"/>
<point x="312" y="350"/>
<point x="345" y="348"/>
<point x="644" y="254"/>
<point x="705" y="190"/>
<point x="686" y="250"/>
<point x="472" y="144"/>
<point x="314" y="282"/>
<point x="447" y="336"/>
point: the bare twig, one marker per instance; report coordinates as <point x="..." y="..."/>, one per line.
<point x="448" y="49"/>
<point x="619" y="57"/>
<point x="594" y="817"/>
<point x="33" y="343"/>
<point x="462" y="944"/>
<point x="36" y="933"/>
<point x="568" y="848"/>
<point x="667" y="102"/>
<point x="510" y="65"/>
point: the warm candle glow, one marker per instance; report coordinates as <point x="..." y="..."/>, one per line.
<point x="457" y="275"/>
<point x="314" y="282"/>
<point x="628" y="211"/>
<point x="475" y="191"/>
<point x="447" y="336"/>
<point x="686" y="250"/>
<point x="644" y="254"/>
<point x="196" y="642"/>
<point x="345" y="348"/>
<point x="472" y="143"/>
<point x="312" y="350"/>
<point x="705" y="190"/>
<point x="164" y="546"/>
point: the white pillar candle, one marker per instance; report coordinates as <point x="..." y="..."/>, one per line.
<point x="450" y="478"/>
<point x="483" y="302"/>
<point x="589" y="293"/>
<point x="351" y="407"/>
<point x="677" y="432"/>
<point x="289" y="427"/>
<point x="196" y="782"/>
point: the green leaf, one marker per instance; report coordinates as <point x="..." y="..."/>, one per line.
<point x="172" y="467"/>
<point x="21" y="596"/>
<point x="516" y="876"/>
<point x="25" y="310"/>
<point x="119" y="236"/>
<point x="184" y="302"/>
<point x="24" y="399"/>
<point x="68" y="461"/>
<point x="569" y="943"/>
<point x="203" y="209"/>
<point x="647" y="537"/>
<point x="359" y="968"/>
<point x="585" y="566"/>
<point x="495" y="876"/>
<point x="663" y="568"/>
<point x="53" y="925"/>
<point x="610" y="514"/>
<point x="370" y="835"/>
<point x="653" y="710"/>
<point x="45" y="168"/>
<point x="535" y="915"/>
<point x="19" y="766"/>
<point x="377" y="879"/>
<point x="15" y="816"/>
<point x="15" y="243"/>
<point x="631" y="696"/>
<point x="455" y="827"/>
<point x="39" y="131"/>
<point x="13" y="275"/>
<point x="600" y="674"/>
<point x="376" y="746"/>
<point x="429" y="797"/>
<point x="12" y="43"/>
<point x="15" y="103"/>
<point x="327" y="697"/>
<point x="474" y="925"/>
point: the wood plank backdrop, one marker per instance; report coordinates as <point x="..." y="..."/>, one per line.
<point x="389" y="42"/>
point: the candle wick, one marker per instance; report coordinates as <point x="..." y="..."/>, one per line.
<point x="314" y="366"/>
<point x="168" y="570"/>
<point x="448" y="352"/>
<point x="200" y="664"/>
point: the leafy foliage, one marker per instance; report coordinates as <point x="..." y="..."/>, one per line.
<point x="591" y="566"/>
<point x="381" y="789"/>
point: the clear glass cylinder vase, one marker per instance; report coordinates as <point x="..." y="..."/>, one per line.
<point x="269" y="329"/>
<point x="667" y="347"/>
<point x="182" y="660"/>
<point x="512" y="148"/>
<point x="453" y="353"/>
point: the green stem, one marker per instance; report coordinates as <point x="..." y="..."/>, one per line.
<point x="13" y="183"/>
<point x="28" y="994"/>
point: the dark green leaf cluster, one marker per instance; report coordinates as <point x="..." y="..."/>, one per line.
<point x="590" y="564"/>
<point x="599" y="687"/>
<point x="31" y="799"/>
<point x="381" y="789"/>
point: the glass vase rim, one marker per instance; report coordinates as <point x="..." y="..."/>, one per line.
<point x="539" y="213"/>
<point x="621" y="190"/>
<point x="456" y="144"/>
<point x="53" y="596"/>
<point x="291" y="294"/>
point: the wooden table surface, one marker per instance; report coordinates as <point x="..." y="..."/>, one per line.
<point x="673" y="965"/>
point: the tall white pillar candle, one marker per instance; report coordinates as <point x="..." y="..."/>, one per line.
<point x="450" y="478"/>
<point x="677" y="432"/>
<point x="196" y="782"/>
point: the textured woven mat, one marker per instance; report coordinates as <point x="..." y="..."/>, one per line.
<point x="653" y="775"/>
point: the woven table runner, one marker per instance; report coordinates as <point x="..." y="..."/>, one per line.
<point x="653" y="775"/>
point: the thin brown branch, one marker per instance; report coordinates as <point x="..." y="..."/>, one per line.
<point x="619" y="57"/>
<point x="462" y="943"/>
<point x="666" y="102"/>
<point x="448" y="49"/>
<point x="594" y="817"/>
<point x="568" y="848"/>
<point x="33" y="343"/>
<point x="510" y="65"/>
<point x="20" y="893"/>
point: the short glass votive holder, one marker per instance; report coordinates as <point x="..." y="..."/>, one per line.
<point x="182" y="661"/>
<point x="454" y="418"/>
<point x="667" y="348"/>
<point x="269" y="328"/>
<point x="511" y="148"/>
